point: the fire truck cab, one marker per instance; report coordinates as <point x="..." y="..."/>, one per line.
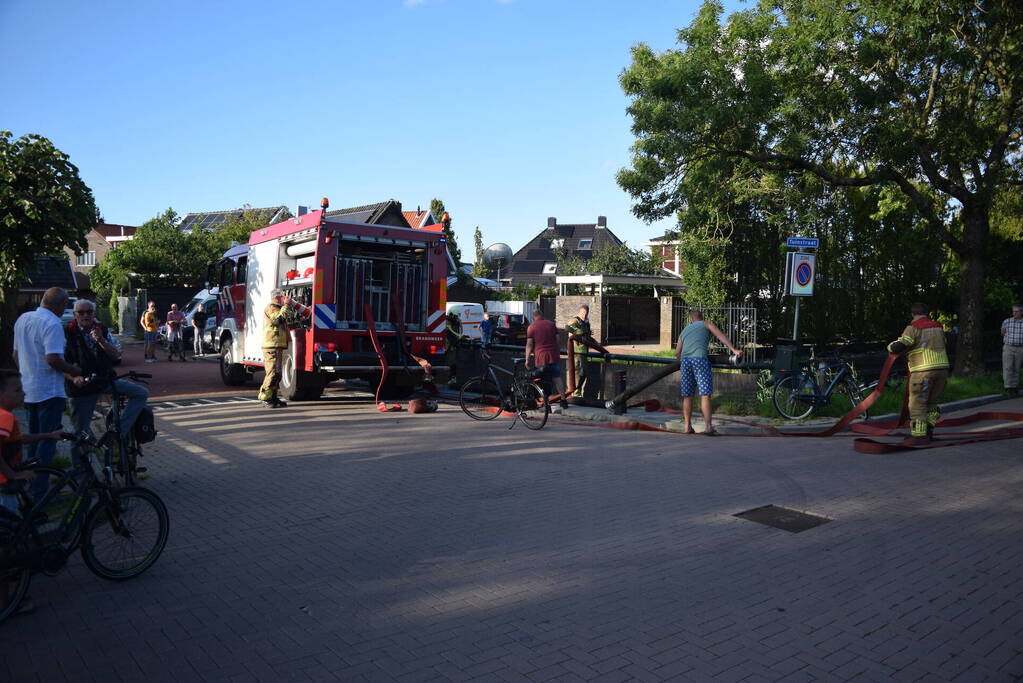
<point x="352" y="280"/>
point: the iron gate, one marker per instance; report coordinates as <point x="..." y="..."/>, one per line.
<point x="739" y="323"/>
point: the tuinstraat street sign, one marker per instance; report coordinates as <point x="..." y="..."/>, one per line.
<point x="802" y="243"/>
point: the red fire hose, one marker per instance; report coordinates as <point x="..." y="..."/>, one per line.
<point x="871" y="446"/>
<point x="372" y="326"/>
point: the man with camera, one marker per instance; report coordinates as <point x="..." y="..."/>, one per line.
<point x="91" y="347"/>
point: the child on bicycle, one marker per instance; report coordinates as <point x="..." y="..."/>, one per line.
<point x="11" y="439"/>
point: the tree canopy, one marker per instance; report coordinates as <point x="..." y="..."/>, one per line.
<point x="44" y="205"/>
<point x="918" y="100"/>
<point x="162" y="255"/>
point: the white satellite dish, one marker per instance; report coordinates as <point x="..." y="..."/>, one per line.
<point x="497" y="256"/>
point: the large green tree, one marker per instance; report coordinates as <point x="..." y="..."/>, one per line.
<point x="44" y="206"/>
<point x="923" y="99"/>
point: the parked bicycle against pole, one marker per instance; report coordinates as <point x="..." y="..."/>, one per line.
<point x="798" y="394"/>
<point x="120" y="532"/>
<point x="484" y="397"/>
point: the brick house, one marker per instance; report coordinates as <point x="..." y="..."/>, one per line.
<point x="100" y="240"/>
<point x="666" y="247"/>
<point x="46" y="272"/>
<point x="534" y="263"/>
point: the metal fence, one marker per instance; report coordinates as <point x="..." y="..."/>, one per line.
<point x="739" y="323"/>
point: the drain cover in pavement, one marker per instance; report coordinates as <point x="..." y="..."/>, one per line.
<point x="783" y="518"/>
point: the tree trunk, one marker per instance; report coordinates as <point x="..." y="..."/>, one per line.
<point x="970" y="347"/>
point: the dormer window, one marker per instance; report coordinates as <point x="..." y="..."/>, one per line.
<point x="586" y="244"/>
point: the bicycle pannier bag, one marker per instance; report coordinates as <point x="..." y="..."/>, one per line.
<point x="144" y="427"/>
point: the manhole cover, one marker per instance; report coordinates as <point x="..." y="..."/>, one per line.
<point x="783" y="518"/>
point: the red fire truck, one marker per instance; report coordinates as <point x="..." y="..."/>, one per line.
<point x="372" y="294"/>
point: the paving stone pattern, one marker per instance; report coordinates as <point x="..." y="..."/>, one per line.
<point x="330" y="542"/>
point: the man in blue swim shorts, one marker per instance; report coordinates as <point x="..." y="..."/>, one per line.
<point x="694" y="368"/>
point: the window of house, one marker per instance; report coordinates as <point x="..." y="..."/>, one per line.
<point x="585" y="244"/>
<point x="550" y="268"/>
<point x="557" y="243"/>
<point x="87" y="259"/>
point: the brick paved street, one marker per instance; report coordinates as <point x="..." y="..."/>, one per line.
<point x="329" y="542"/>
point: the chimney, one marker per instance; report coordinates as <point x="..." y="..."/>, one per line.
<point x="601" y="221"/>
<point x="552" y="222"/>
<point x="301" y="210"/>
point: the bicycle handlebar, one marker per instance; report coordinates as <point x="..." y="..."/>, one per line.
<point x="131" y="374"/>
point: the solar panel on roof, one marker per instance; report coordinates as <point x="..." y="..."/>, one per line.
<point x="526" y="267"/>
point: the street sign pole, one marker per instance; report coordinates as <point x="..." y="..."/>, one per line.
<point x="800" y="270"/>
<point x="795" y="321"/>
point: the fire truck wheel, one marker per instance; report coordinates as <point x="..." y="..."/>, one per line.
<point x="299" y="385"/>
<point x="233" y="374"/>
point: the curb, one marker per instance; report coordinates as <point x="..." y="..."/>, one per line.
<point x="672" y="422"/>
<point x="953" y="406"/>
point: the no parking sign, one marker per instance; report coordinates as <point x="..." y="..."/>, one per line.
<point x="800" y="273"/>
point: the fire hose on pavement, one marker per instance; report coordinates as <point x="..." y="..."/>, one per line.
<point x="860" y="444"/>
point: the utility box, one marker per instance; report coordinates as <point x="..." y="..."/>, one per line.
<point x="789" y="355"/>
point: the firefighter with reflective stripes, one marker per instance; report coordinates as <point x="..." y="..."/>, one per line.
<point x="278" y="316"/>
<point x="923" y="342"/>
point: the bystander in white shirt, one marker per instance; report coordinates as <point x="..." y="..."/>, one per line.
<point x="36" y="334"/>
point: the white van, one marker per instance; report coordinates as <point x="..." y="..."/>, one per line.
<point x="470" y="316"/>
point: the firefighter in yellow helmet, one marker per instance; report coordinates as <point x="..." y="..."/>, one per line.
<point x="923" y="342"/>
<point x="278" y="316"/>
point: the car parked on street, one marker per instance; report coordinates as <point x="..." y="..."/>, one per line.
<point x="509" y="328"/>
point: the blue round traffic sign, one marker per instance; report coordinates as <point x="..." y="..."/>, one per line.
<point x="804" y="273"/>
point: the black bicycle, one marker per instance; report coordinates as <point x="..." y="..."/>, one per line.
<point x="120" y="532"/>
<point x="798" y="394"/>
<point x="121" y="449"/>
<point x="484" y="397"/>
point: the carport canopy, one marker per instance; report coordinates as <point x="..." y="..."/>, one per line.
<point x="597" y="282"/>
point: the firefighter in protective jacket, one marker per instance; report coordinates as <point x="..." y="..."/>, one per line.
<point x="277" y="318"/>
<point x="923" y="342"/>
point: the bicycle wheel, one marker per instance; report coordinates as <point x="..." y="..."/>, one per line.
<point x="16" y="582"/>
<point x="852" y="390"/>
<point x="480" y="399"/>
<point x="59" y="505"/>
<point x="124" y="537"/>
<point x="787" y="396"/>
<point x="531" y="405"/>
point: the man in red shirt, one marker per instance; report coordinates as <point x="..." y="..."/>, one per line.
<point x="543" y="352"/>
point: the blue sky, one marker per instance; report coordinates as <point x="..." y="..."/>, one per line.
<point x="508" y="110"/>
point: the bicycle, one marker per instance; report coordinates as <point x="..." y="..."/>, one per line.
<point x="798" y="394"/>
<point x="484" y="398"/>
<point x="120" y="535"/>
<point x="125" y="463"/>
